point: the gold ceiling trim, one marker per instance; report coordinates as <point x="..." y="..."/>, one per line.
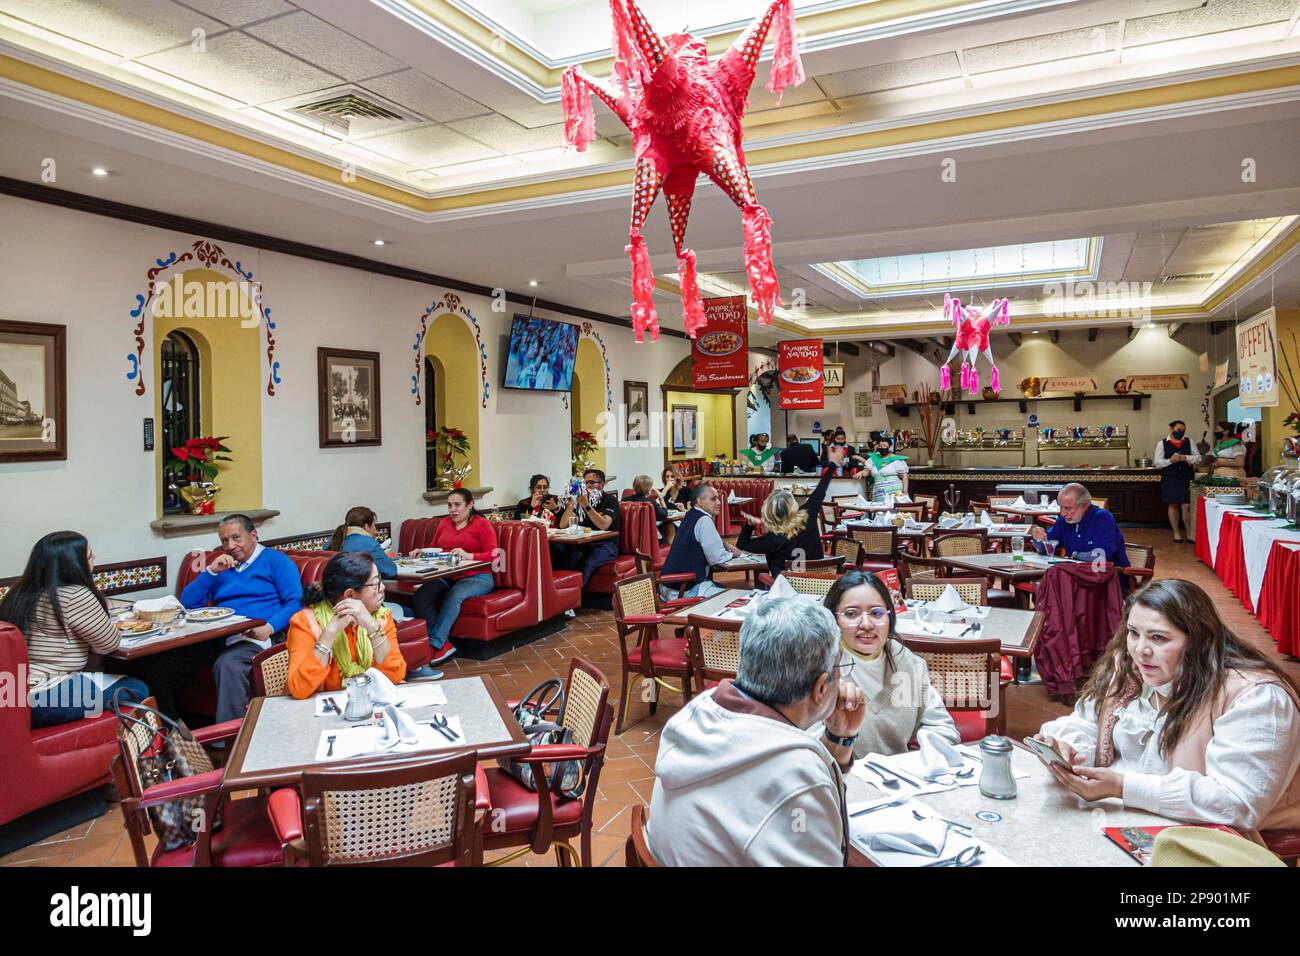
<point x="81" y="91"/>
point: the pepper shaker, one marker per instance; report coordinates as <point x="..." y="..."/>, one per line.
<point x="996" y="779"/>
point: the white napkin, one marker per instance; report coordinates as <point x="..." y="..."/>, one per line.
<point x="947" y="523"/>
<point x="398" y="727"/>
<point x="967" y="523"/>
<point x="153" y="605"/>
<point x="782" y="588"/>
<point x="906" y="834"/>
<point x="731" y="496"/>
<point x="986" y="519"/>
<point x="909" y="523"/>
<point x="386" y="543"/>
<point x="889" y="501"/>
<point x="949" y="601"/>
<point x="902" y="499"/>
<point x="860" y="502"/>
<point x="937" y="755"/>
<point x="382" y="691"/>
<point x="1019" y="502"/>
<point x="1053" y="506"/>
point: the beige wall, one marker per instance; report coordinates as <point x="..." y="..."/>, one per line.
<point x="1288" y="325"/>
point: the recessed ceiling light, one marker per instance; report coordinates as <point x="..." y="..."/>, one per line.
<point x="1036" y="331"/>
<point x="379" y="242"/>
<point x="99" y="171"/>
<point x="533" y="283"/>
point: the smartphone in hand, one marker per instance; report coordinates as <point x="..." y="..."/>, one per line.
<point x="1048" y="754"/>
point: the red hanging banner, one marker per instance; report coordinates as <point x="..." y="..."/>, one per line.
<point x="800" y="364"/>
<point x="720" y="353"/>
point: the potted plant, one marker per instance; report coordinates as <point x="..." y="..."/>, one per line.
<point x="584" y="443"/>
<point x="196" y="463"/>
<point x="448" y="443"/>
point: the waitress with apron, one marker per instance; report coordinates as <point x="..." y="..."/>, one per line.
<point x="1176" y="458"/>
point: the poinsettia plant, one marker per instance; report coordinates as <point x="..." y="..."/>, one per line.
<point x="447" y="443"/>
<point x="197" y="459"/>
<point x="584" y="443"/>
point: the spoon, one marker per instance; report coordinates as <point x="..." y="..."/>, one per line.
<point x="888" y="780"/>
<point x="965" y="858"/>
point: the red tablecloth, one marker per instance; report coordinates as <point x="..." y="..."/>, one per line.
<point x="1202" y="535"/>
<point x="1230" y="564"/>
<point x="1279" y="599"/>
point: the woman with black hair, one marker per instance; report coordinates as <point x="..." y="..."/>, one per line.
<point x="540" y="503"/>
<point x="901" y="701"/>
<point x="65" y="619"/>
<point x="888" y="471"/>
<point x="343" y="629"/>
<point x="1182" y="718"/>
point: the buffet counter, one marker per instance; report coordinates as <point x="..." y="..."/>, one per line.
<point x="838" y="488"/>
<point x="1133" y="494"/>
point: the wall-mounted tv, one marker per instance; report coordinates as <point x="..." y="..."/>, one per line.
<point x="542" y="353"/>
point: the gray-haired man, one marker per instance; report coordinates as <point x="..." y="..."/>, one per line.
<point x="739" y="780"/>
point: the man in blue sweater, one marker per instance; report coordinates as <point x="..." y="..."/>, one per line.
<point x="254" y="581"/>
<point x="1084" y="530"/>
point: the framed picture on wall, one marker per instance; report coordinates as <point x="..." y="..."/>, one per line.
<point x="348" y="383"/>
<point x="33" y="392"/>
<point x="686" y="435"/>
<point x="636" y="399"/>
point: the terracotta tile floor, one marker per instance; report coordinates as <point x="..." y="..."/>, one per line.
<point x="629" y="766"/>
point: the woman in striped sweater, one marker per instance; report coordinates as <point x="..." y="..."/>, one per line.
<point x="65" y="619"/>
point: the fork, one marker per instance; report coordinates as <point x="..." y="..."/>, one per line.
<point x="880" y="806"/>
<point x="330" y="740"/>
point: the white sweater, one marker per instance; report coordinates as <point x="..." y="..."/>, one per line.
<point x="738" y="789"/>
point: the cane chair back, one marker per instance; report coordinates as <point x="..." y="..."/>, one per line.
<point x="931" y="504"/>
<point x="916" y="510"/>
<point x="270" y="672"/>
<point x="913" y="567"/>
<point x="584" y="703"/>
<point x="1140" y="556"/>
<point x="829" y="565"/>
<point x="973" y="591"/>
<point x="417" y="813"/>
<point x="850" y="550"/>
<point x="817" y="585"/>
<point x="967" y="674"/>
<point x="959" y="544"/>
<point x="714" y="647"/>
<point x="635" y="596"/>
<point x="1102" y="503"/>
<point x="978" y="507"/>
<point x="830" y="515"/>
<point x="878" y="544"/>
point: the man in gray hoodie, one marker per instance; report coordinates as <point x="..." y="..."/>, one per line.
<point x="739" y="781"/>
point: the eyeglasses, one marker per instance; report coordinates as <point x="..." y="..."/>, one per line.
<point x="853" y="614"/>
<point x="377" y="584"/>
<point x="844" y="668"/>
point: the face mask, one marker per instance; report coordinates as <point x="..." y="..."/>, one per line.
<point x="883" y="449"/>
<point x="1178" y="434"/>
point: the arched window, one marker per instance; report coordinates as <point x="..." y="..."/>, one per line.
<point x="180" y="388"/>
<point x="431" y="423"/>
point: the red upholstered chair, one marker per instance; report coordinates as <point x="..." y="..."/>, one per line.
<point x="416" y="812"/>
<point x="1283" y="843"/>
<point x="681" y="580"/>
<point x="561" y="590"/>
<point x="516" y="601"/>
<point x="879" y="548"/>
<point x="43" y="766"/>
<point x="638" y="848"/>
<point x="536" y="822"/>
<point x="815" y="567"/>
<point x="246" y="837"/>
<point x="638" y="531"/>
<point x="969" y="677"/>
<point x="269" y="676"/>
<point x="638" y="612"/>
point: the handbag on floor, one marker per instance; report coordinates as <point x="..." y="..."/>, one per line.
<point x="566" y="778"/>
<point x="171" y="753"/>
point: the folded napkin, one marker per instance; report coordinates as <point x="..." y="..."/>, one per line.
<point x="154" y="605"/>
<point x="386" y="544"/>
<point x="731" y="496"/>
<point x="382" y="690"/>
<point x="937" y="755"/>
<point x="398" y="727"/>
<point x="947" y="523"/>
<point x="967" y="523"/>
<point x="902" y="499"/>
<point x="949" y="601"/>
<point x="906" y="834"/>
<point x="986" y="519"/>
<point x="860" y="502"/>
<point x="1019" y="502"/>
<point x="782" y="588"/>
<point x="1053" y="506"/>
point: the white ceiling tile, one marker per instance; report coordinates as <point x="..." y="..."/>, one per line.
<point x="1042" y="49"/>
<point x="505" y="134"/>
<point x="238" y="12"/>
<point x="428" y="146"/>
<point x="426" y="96"/>
<point x="129" y="28"/>
<point x="324" y="46"/>
<point x="244" y="68"/>
<point x="886" y="76"/>
<point x="1214" y="16"/>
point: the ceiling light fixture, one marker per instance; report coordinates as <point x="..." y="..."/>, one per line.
<point x="379" y="242"/>
<point x="99" y="171"/>
<point x="533" y="283"/>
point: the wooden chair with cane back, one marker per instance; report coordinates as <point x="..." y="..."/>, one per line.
<point x="681" y="580"/>
<point x="879" y="548"/>
<point x="931" y="505"/>
<point x="916" y="510"/>
<point x="912" y="566"/>
<point x="973" y="591"/>
<point x="638" y="612"/>
<point x="536" y="822"/>
<point x="714" y="644"/>
<point x="1002" y="501"/>
<point x="269" y="676"/>
<point x="638" y="847"/>
<point x="959" y="543"/>
<point x="811" y="583"/>
<point x="968" y="676"/>
<point x="849" y="549"/>
<point x="832" y="566"/>
<point x="416" y="812"/>
<point x="1142" y="564"/>
<point x="978" y="507"/>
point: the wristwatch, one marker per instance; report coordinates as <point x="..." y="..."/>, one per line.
<point x="839" y="741"/>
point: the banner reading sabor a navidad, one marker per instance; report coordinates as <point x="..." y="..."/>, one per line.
<point x="1257" y="360"/>
<point x="720" y="352"/>
<point x="800" y="369"/>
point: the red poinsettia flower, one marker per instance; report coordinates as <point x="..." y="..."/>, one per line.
<point x="431" y="435"/>
<point x="182" y="453"/>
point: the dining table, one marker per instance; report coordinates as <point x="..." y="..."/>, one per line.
<point x="1002" y="565"/>
<point x="416" y="569"/>
<point x="583" y="536"/>
<point x="1016" y="630"/>
<point x="751" y="565"/>
<point x="711" y="606"/>
<point x="1043" y="825"/>
<point x="281" y="737"/>
<point x="182" y="633"/>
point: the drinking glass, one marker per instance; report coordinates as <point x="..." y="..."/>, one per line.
<point x="1051" y="547"/>
<point x="1018" y="548"/>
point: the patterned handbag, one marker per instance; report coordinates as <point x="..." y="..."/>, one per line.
<point x="168" y="751"/>
<point x="566" y="778"/>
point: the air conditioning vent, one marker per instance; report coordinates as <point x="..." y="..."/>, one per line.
<point x="1187" y="277"/>
<point x="349" y="112"/>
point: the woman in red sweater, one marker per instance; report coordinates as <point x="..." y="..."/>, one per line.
<point x="466" y="533"/>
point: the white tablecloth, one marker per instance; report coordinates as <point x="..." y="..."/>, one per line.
<point x="1257" y="539"/>
<point x="1214" y="521"/>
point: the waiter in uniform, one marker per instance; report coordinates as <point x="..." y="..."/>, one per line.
<point x="1176" y="458"/>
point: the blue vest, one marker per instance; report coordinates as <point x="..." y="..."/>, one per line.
<point x="686" y="555"/>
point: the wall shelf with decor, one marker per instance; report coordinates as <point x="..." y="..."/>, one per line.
<point x="173" y="526"/>
<point x="904" y="410"/>
<point x="436" y="496"/>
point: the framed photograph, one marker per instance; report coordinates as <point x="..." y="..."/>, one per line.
<point x="348" y="383"/>
<point x="686" y="436"/>
<point x="33" y="392"/>
<point x="636" y="399"/>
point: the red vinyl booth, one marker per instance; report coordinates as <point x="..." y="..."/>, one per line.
<point x="638" y="531"/>
<point x="527" y="591"/>
<point x="43" y="766"/>
<point x="756" y="489"/>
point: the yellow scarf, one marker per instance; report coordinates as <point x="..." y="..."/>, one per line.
<point x="348" y="665"/>
<point x="858" y="654"/>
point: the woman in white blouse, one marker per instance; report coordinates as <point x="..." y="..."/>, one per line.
<point x="1182" y="719"/>
<point x="895" y="682"/>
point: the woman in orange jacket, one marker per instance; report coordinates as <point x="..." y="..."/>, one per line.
<point x="343" y="629"/>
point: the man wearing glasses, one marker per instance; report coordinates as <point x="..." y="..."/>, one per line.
<point x="597" y="510"/>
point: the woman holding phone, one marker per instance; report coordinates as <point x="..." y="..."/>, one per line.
<point x="1183" y="719"/>
<point x="540" y="503"/>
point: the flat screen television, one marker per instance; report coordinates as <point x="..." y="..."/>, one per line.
<point x="541" y="356"/>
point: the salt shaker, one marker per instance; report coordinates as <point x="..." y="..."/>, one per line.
<point x="996" y="779"/>
<point x="359" y="706"/>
